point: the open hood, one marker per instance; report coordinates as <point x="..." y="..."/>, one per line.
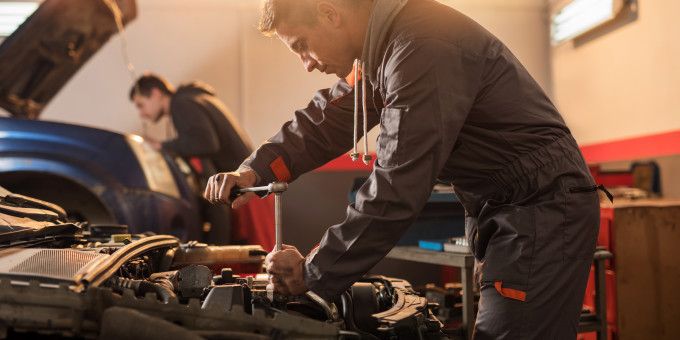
<point x="50" y="46"/>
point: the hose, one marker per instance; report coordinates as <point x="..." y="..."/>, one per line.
<point x="141" y="287"/>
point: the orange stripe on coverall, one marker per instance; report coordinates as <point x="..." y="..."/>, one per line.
<point x="280" y="170"/>
<point x="509" y="292"/>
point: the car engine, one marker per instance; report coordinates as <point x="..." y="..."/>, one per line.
<point x="61" y="280"/>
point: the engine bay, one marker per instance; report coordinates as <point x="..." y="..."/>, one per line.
<point x="63" y="280"/>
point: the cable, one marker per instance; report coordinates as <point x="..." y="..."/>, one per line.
<point x="118" y="17"/>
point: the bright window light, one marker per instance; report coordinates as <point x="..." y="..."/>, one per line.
<point x="578" y="17"/>
<point x="13" y="14"/>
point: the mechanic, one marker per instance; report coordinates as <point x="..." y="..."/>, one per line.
<point x="208" y="137"/>
<point x="205" y="127"/>
<point x="455" y="105"/>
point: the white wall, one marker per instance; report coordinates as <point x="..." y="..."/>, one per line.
<point x="180" y="41"/>
<point x="624" y="83"/>
<point x="257" y="77"/>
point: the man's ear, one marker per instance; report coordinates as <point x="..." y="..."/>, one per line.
<point x="329" y="12"/>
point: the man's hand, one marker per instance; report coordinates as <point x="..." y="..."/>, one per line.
<point x="285" y="271"/>
<point x="219" y="186"/>
<point x="154" y="143"/>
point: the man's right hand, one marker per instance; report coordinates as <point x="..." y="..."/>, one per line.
<point x="219" y="187"/>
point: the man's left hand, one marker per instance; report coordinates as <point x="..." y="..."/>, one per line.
<point x="154" y="143"/>
<point x="285" y="271"/>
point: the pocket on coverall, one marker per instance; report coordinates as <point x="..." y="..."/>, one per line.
<point x="582" y="218"/>
<point x="388" y="140"/>
<point x="504" y="242"/>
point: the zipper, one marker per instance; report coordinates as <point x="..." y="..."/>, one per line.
<point x="592" y="188"/>
<point x="589" y="188"/>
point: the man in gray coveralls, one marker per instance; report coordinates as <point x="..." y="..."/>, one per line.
<point x="454" y="105"/>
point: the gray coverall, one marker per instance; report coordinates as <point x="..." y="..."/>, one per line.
<point x="454" y="105"/>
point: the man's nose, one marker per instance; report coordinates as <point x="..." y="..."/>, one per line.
<point x="308" y="62"/>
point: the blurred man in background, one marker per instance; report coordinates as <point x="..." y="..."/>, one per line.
<point x="208" y="138"/>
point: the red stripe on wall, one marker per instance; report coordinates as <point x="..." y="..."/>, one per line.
<point x="345" y="163"/>
<point x="656" y="145"/>
<point x="663" y="144"/>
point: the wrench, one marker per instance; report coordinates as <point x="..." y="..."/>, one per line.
<point x="275" y="187"/>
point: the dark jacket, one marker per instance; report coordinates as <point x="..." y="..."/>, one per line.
<point x="453" y="104"/>
<point x="206" y="129"/>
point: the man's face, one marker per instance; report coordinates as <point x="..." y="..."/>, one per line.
<point x="150" y="108"/>
<point x="322" y="47"/>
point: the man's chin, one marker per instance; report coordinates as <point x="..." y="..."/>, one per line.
<point x="343" y="74"/>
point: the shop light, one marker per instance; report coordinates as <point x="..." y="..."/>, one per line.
<point x="13" y="14"/>
<point x="580" y="16"/>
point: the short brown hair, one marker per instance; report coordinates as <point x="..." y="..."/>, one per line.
<point x="298" y="11"/>
<point x="148" y="81"/>
<point x="293" y="11"/>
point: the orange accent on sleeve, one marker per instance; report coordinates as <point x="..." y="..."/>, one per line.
<point x="350" y="80"/>
<point x="510" y="293"/>
<point x="280" y="170"/>
<point x="196" y="163"/>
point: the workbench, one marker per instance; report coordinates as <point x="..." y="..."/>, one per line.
<point x="464" y="261"/>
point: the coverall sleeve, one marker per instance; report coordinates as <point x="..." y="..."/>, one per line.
<point x="316" y="135"/>
<point x="196" y="135"/>
<point x="429" y="88"/>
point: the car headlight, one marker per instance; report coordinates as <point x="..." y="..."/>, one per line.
<point x="155" y="168"/>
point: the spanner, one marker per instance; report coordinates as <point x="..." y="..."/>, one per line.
<point x="275" y="187"/>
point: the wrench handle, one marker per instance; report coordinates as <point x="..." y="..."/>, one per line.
<point x="235" y="192"/>
<point x="277" y="225"/>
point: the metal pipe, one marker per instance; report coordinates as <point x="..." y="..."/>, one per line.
<point x="277" y="188"/>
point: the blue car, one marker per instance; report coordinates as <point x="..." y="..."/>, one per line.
<point x="96" y="175"/>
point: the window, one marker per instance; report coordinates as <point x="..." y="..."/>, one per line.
<point x="580" y="16"/>
<point x="14" y="13"/>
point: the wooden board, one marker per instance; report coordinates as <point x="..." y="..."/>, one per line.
<point x="647" y="265"/>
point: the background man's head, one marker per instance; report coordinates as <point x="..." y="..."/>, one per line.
<point x="151" y="95"/>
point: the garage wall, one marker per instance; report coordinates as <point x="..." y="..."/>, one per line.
<point x="215" y="41"/>
<point x="257" y="77"/>
<point x="623" y="82"/>
<point x="180" y="41"/>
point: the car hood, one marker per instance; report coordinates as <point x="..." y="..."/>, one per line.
<point x="50" y="46"/>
